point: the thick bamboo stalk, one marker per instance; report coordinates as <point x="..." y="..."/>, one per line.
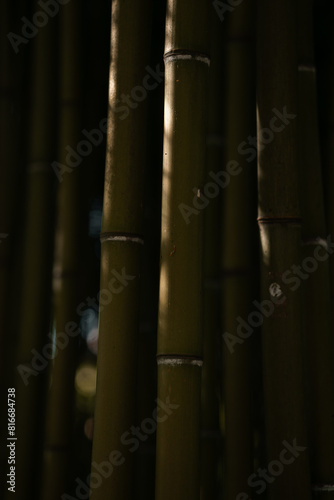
<point x="180" y="344"/>
<point x="280" y="234"/>
<point x="210" y="432"/>
<point x="37" y="256"/>
<point x="320" y="376"/>
<point x="121" y="252"/>
<point x="238" y="245"/>
<point x="59" y="411"/>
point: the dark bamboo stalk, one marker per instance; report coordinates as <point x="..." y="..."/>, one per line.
<point x="238" y="245"/>
<point x="280" y="233"/>
<point x="210" y="432"/>
<point x="37" y="257"/>
<point x="319" y="344"/>
<point x="59" y="411"/>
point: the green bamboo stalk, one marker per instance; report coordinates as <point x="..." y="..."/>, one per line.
<point x="238" y="245"/>
<point x="317" y="326"/>
<point x="121" y="252"/>
<point x="280" y="234"/>
<point x="210" y="432"/>
<point x="180" y="344"/>
<point x="59" y="412"/>
<point x="37" y="255"/>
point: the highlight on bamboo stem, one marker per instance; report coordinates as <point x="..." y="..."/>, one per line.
<point x="180" y="342"/>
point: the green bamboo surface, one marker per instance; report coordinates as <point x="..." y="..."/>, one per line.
<point x="180" y="343"/>
<point x="280" y="235"/>
<point x="121" y="250"/>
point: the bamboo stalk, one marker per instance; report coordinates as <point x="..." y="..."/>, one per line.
<point x="12" y="148"/>
<point x="320" y="376"/>
<point x="37" y="256"/>
<point x="238" y="256"/>
<point x="210" y="432"/>
<point x="121" y="252"/>
<point x="59" y="413"/>
<point x="279" y="222"/>
<point x="180" y="344"/>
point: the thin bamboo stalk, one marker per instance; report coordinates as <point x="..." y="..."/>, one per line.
<point x="59" y="411"/>
<point x="12" y="77"/>
<point x="121" y="252"/>
<point x="280" y="234"/>
<point x="210" y="432"/>
<point x="319" y="344"/>
<point x="180" y="343"/>
<point x="238" y="245"/>
<point x="37" y="256"/>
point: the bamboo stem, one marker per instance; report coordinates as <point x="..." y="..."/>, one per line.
<point x="279" y="222"/>
<point x="37" y="256"/>
<point x="121" y="251"/>
<point x="320" y="376"/>
<point x="59" y="414"/>
<point x="180" y="343"/>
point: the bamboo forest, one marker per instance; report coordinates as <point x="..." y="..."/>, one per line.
<point x="166" y="249"/>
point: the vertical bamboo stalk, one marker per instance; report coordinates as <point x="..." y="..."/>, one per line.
<point x="238" y="256"/>
<point x="59" y="411"/>
<point x="12" y="148"/>
<point x="121" y="251"/>
<point x="180" y="344"/>
<point x="210" y="432"/>
<point x="320" y="377"/>
<point x="279" y="222"/>
<point x="37" y="255"/>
